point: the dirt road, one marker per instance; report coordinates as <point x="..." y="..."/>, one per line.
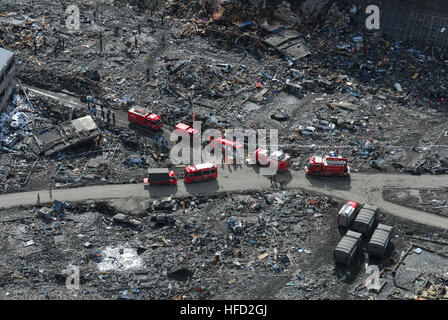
<point x="361" y="187"/>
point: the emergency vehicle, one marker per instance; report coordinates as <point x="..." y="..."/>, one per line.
<point x="328" y="166"/>
<point x="144" y="119"/>
<point x="193" y="133"/>
<point x="200" y="172"/>
<point x="160" y="176"/>
<point x="224" y="144"/>
<point x="347" y="213"/>
<point x="263" y="157"/>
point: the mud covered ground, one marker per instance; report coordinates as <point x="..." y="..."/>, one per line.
<point x="269" y="245"/>
<point x="429" y="200"/>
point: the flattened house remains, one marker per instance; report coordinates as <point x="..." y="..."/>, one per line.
<point x="7" y="76"/>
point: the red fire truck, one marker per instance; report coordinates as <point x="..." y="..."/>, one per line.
<point x="347" y="213"/>
<point x="328" y="166"/>
<point x="193" y="133"/>
<point x="200" y="172"/>
<point x="160" y="176"/>
<point x="265" y="158"/>
<point x="144" y="119"/>
<point x="232" y="146"/>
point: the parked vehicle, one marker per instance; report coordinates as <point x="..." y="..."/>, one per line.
<point x="144" y="119"/>
<point x="160" y="176"/>
<point x="347" y="213"/>
<point x="231" y="146"/>
<point x="200" y="172"/>
<point x="193" y="133"/>
<point x="377" y="245"/>
<point x="307" y="130"/>
<point x="346" y="249"/>
<point x="281" y="159"/>
<point x="365" y="220"/>
<point x="328" y="166"/>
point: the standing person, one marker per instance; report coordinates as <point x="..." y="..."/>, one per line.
<point x="282" y="183"/>
<point x="113" y="118"/>
<point x="273" y="182"/>
<point x="147" y="74"/>
<point x="102" y="113"/>
<point x="101" y="42"/>
<point x="156" y="140"/>
<point x="51" y="192"/>
<point x="108" y="116"/>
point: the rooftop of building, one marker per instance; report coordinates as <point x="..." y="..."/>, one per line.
<point x="5" y="55"/>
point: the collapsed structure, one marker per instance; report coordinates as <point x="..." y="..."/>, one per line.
<point x="7" y="76"/>
<point x="64" y="136"/>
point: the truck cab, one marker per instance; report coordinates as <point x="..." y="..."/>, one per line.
<point x="347" y="213"/>
<point x="193" y="133"/>
<point x="265" y="158"/>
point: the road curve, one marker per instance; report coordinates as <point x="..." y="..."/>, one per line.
<point x="362" y="187"/>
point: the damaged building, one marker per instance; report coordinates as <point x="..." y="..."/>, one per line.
<point x="7" y="76"/>
<point x="64" y="136"/>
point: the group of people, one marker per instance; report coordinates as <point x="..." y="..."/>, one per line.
<point x="105" y="115"/>
<point x="161" y="141"/>
<point x="274" y="181"/>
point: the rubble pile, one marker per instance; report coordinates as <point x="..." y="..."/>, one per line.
<point x="234" y="64"/>
<point x="259" y="245"/>
<point x="23" y="166"/>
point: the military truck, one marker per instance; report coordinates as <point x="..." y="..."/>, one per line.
<point x="346" y="249"/>
<point x="365" y="219"/>
<point x="377" y="245"/>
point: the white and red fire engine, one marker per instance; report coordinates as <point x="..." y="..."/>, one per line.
<point x="281" y="159"/>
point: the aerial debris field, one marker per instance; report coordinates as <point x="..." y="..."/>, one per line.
<point x="88" y="179"/>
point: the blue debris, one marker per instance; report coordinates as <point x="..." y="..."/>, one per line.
<point x="59" y="206"/>
<point x="133" y="161"/>
<point x="353" y="93"/>
<point x="267" y="75"/>
<point x="276" y="268"/>
<point x="247" y="24"/>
